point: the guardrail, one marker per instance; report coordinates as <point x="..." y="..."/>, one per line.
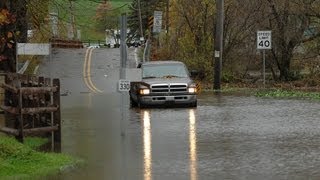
<point x="62" y="43"/>
<point x="31" y="106"/>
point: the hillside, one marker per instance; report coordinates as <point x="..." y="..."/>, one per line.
<point x="84" y="12"/>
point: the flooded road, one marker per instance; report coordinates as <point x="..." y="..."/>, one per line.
<point x="225" y="137"/>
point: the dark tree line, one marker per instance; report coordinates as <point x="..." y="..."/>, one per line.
<point x="13" y="29"/>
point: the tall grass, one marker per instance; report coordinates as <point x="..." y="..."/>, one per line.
<point x="22" y="161"/>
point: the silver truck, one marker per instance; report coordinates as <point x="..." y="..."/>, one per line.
<point x="165" y="84"/>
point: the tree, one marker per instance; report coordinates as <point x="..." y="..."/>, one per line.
<point x="191" y="33"/>
<point x="105" y="18"/>
<point x="240" y="25"/>
<point x="147" y="9"/>
<point x="289" y="20"/>
<point x="8" y="35"/>
<point x="39" y="20"/>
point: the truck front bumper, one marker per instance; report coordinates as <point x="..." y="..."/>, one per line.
<point x="168" y="100"/>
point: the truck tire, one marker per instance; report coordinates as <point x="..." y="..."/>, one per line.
<point x="141" y="105"/>
<point x="194" y="104"/>
<point x="133" y="103"/>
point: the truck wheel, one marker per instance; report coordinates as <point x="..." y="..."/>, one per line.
<point x="133" y="103"/>
<point x="194" y="104"/>
<point x="141" y="105"/>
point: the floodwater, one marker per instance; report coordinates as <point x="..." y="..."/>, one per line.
<point x="225" y="137"/>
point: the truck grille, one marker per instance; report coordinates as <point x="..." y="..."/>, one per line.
<point x="169" y="88"/>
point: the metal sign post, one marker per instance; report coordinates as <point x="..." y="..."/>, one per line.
<point x="263" y="43"/>
<point x="123" y="87"/>
<point x="123" y="63"/>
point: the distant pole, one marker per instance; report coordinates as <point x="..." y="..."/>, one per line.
<point x="72" y="19"/>
<point x="123" y="49"/>
<point x="167" y="16"/>
<point x="264" y="68"/>
<point x="140" y="18"/>
<point x="218" y="44"/>
<point x="123" y="66"/>
<point x="124" y="96"/>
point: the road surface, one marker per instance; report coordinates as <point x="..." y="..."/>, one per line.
<point x="225" y="137"/>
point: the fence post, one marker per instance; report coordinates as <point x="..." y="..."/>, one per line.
<point x="57" y="115"/>
<point x="32" y="106"/>
<point x="19" y="122"/>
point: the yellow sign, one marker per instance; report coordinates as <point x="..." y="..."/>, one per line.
<point x="150" y="22"/>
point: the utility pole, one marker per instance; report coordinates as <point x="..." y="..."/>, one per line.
<point x="218" y="44"/>
<point x="72" y="19"/>
<point x="167" y="16"/>
<point x="140" y="18"/>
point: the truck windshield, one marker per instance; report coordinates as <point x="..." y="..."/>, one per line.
<point x="164" y="70"/>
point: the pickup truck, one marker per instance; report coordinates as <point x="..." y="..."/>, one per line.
<point x="163" y="83"/>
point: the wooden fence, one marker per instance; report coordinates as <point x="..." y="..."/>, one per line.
<point x="31" y="106"/>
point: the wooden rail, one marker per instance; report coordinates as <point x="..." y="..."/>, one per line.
<point x="32" y="106"/>
<point x="62" y="43"/>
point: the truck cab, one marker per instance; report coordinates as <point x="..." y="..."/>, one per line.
<point x="163" y="83"/>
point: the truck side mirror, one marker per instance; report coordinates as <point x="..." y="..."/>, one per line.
<point x="194" y="73"/>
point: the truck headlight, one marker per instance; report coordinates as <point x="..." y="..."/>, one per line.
<point x="192" y="90"/>
<point x="144" y="91"/>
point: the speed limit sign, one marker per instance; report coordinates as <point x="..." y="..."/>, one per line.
<point x="263" y="39"/>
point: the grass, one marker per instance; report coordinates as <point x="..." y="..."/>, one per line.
<point x="278" y="93"/>
<point x="23" y="161"/>
<point x="269" y="92"/>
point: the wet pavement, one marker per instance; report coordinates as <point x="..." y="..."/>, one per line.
<point x="225" y="137"/>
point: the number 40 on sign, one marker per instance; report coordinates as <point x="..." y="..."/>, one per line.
<point x="263" y="39"/>
<point x="123" y="85"/>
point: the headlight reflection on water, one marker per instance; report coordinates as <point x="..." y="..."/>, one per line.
<point x="147" y="150"/>
<point x="147" y="142"/>
<point x="193" y="145"/>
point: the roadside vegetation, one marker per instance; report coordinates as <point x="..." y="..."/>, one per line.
<point x="293" y="59"/>
<point x="188" y="35"/>
<point x="188" y="32"/>
<point x="23" y="161"/>
<point x="288" y="94"/>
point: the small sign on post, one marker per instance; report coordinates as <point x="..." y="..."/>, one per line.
<point x="123" y="85"/>
<point x="157" y="21"/>
<point x="33" y="49"/>
<point x="263" y="43"/>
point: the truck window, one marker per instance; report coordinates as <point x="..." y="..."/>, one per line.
<point x="164" y="70"/>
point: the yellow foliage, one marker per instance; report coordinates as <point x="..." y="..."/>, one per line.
<point x="4" y="17"/>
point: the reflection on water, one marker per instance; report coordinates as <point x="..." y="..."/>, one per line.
<point x="147" y="150"/>
<point x="227" y="138"/>
<point x="193" y="145"/>
<point x="147" y="145"/>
